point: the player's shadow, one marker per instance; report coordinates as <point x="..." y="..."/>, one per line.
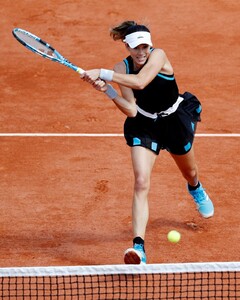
<point x="193" y="224"/>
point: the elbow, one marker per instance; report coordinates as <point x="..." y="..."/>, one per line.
<point x="140" y="84"/>
<point x="140" y="87"/>
<point x="132" y="113"/>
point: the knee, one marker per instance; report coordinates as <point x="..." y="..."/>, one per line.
<point x="142" y="183"/>
<point x="191" y="173"/>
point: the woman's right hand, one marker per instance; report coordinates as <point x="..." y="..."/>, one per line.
<point x="91" y="75"/>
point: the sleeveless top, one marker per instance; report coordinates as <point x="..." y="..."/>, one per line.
<point x="160" y="94"/>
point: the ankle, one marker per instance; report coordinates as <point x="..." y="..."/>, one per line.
<point x="138" y="240"/>
<point x="193" y="188"/>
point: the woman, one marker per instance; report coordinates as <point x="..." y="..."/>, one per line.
<point x="158" y="117"/>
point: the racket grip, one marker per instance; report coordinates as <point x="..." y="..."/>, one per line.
<point x="80" y="71"/>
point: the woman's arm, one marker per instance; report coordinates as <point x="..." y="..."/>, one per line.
<point x="154" y="65"/>
<point x="157" y="61"/>
<point x="125" y="103"/>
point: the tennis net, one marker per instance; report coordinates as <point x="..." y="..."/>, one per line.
<point x="154" y="281"/>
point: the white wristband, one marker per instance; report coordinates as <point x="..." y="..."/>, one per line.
<point x="111" y="92"/>
<point x="106" y="74"/>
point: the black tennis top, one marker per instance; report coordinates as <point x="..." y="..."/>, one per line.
<point x="160" y="94"/>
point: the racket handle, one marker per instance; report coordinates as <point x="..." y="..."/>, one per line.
<point x="80" y="71"/>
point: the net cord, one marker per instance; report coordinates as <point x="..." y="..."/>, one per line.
<point x="121" y="269"/>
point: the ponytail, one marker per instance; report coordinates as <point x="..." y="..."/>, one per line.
<point x="119" y="32"/>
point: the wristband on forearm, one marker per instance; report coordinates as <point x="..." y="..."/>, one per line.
<point x="106" y="75"/>
<point x="111" y="92"/>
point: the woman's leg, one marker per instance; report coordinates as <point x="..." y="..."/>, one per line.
<point x="142" y="161"/>
<point x="187" y="165"/>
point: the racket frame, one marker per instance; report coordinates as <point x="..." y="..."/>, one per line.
<point x="59" y="58"/>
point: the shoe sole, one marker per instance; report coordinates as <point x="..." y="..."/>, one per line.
<point x="207" y="216"/>
<point x="131" y="256"/>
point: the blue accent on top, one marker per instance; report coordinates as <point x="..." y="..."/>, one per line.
<point x="171" y="77"/>
<point x="165" y="76"/>
<point x="127" y="65"/>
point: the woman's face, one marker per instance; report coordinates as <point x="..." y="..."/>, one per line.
<point x="139" y="54"/>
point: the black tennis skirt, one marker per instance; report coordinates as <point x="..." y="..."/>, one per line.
<point x="175" y="132"/>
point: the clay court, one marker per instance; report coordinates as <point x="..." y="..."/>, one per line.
<point x="66" y="175"/>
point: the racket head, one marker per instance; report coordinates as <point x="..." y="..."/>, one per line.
<point x="36" y="44"/>
<point x="39" y="46"/>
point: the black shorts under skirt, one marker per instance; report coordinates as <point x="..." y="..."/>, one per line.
<point x="175" y="132"/>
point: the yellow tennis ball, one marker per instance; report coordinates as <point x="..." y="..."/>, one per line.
<point x="174" y="236"/>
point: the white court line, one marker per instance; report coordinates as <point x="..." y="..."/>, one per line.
<point x="102" y="135"/>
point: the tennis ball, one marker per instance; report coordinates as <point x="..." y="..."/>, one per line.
<point x="174" y="236"/>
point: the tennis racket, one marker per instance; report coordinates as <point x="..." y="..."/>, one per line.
<point x="37" y="45"/>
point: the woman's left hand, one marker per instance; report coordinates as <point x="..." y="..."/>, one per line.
<point x="100" y="85"/>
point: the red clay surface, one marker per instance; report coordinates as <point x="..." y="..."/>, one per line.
<point x="67" y="200"/>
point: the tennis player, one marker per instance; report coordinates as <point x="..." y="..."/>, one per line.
<point x="158" y="117"/>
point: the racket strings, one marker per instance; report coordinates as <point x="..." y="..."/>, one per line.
<point x="37" y="44"/>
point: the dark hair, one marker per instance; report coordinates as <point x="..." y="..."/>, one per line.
<point x="120" y="31"/>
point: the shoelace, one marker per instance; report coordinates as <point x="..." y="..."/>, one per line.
<point x="201" y="196"/>
<point x="138" y="247"/>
